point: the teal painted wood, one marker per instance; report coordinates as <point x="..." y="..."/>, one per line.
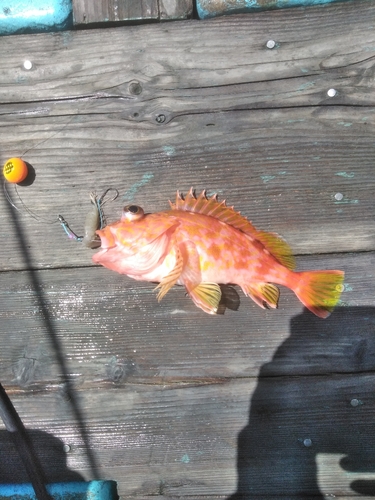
<point x="30" y="16"/>
<point x="214" y="8"/>
<point x="92" y="490"/>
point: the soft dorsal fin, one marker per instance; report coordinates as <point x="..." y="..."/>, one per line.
<point x="278" y="248"/>
<point x="213" y="208"/>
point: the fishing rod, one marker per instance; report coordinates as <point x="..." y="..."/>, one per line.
<point x="17" y="431"/>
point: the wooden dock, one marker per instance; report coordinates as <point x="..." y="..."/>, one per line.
<point x="164" y="399"/>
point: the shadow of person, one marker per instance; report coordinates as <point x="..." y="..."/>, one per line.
<point x="50" y="451"/>
<point x="315" y="397"/>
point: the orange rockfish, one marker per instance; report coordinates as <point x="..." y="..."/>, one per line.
<point x="201" y="243"/>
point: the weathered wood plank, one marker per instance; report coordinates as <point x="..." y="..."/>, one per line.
<point x="175" y="9"/>
<point x="109" y="11"/>
<point x="161" y="397"/>
<point x="311" y="52"/>
<point x="151" y="118"/>
<point x="213" y="8"/>
<point x="142" y="377"/>
<point x="271" y="181"/>
<point x="88" y="12"/>
<point x="184" y="441"/>
<point x="111" y="330"/>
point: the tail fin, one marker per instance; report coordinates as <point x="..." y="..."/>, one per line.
<point x="319" y="291"/>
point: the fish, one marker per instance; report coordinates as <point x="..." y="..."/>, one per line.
<point x="202" y="243"/>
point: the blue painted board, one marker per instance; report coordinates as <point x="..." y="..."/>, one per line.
<point x="30" y="16"/>
<point x="213" y="8"/>
<point x="91" y="490"/>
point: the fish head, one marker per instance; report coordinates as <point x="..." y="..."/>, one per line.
<point x="124" y="231"/>
<point x="137" y="242"/>
<point x="135" y="229"/>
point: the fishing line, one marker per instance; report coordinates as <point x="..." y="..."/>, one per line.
<point x="16" y="170"/>
<point x="94" y="221"/>
<point x="28" y="210"/>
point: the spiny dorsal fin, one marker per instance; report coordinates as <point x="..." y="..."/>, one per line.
<point x="212" y="207"/>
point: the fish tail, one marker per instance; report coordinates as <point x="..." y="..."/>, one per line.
<point x="319" y="291"/>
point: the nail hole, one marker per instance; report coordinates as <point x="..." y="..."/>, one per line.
<point x="135" y="88"/>
<point x="160" y="118"/>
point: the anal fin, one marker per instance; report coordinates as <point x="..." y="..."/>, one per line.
<point x="262" y="293"/>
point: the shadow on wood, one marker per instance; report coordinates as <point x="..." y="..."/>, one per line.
<point x="296" y="421"/>
<point x="50" y="451"/>
<point x="53" y="338"/>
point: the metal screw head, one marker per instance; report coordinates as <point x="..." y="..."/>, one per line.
<point x="339" y="196"/>
<point x="160" y="118"/>
<point x="27" y="64"/>
<point x="307" y="442"/>
<point x="271" y="44"/>
<point x="331" y="92"/>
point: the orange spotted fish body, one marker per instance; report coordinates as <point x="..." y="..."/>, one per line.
<point x="201" y="243"/>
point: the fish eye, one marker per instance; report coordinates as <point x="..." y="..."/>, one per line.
<point x="134" y="209"/>
<point x="132" y="212"/>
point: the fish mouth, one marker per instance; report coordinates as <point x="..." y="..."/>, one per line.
<point x="105" y="239"/>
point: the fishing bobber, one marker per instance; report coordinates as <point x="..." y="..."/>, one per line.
<point x="15" y="170"/>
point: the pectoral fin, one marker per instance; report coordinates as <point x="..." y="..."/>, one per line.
<point x="205" y="295"/>
<point x="168" y="281"/>
<point x="262" y="293"/>
<point x="187" y="268"/>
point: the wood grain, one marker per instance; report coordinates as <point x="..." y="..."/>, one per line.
<point x="164" y="390"/>
<point x="112" y="330"/>
<point x="162" y="398"/>
<point x="312" y="50"/>
<point x="86" y="12"/>
<point x="272" y="182"/>
<point x="151" y="118"/>
<point x="213" y="8"/>
<point x="111" y="12"/>
<point x="195" y="441"/>
<point x="175" y="9"/>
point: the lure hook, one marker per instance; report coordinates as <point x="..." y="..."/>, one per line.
<point x="71" y="234"/>
<point x="100" y="202"/>
<point x="94" y="220"/>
